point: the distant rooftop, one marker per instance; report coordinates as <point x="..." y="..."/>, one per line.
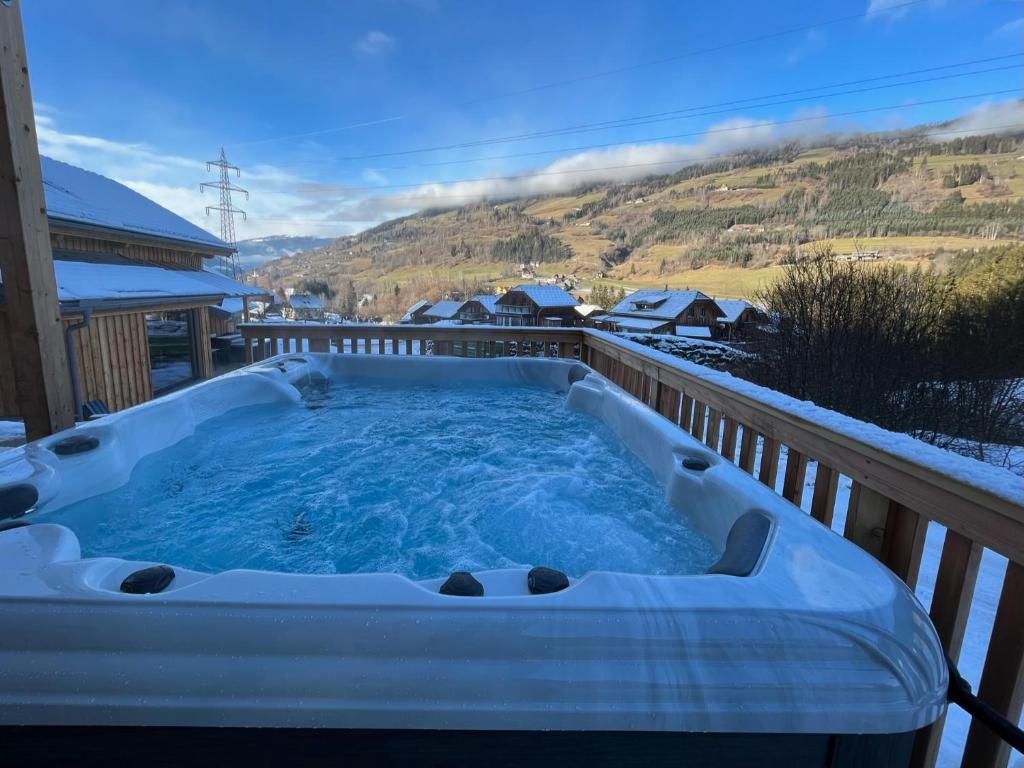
<point x="304" y="301"/>
<point x="84" y="198"/>
<point x="733" y="308"/>
<point x="445" y="310"/>
<point x="667" y="305"/>
<point x="545" y="295"/>
<point x="488" y="300"/>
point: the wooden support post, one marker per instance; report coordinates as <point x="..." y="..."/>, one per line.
<point x="1002" y="679"/>
<point x="951" y="605"/>
<point x="904" y="542"/>
<point x="769" y="469"/>
<point x="793" y="480"/>
<point x="245" y="309"/>
<point x="748" y="449"/>
<point x="823" y="503"/>
<point x="35" y="332"/>
<point x="729" y="438"/>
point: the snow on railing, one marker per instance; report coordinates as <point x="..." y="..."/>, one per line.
<point x="897" y="484"/>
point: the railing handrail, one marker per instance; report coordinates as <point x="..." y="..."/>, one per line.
<point x="899" y="483"/>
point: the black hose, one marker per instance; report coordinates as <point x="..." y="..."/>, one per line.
<point x="960" y="694"/>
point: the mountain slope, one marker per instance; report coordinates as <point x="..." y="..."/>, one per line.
<point x="722" y="226"/>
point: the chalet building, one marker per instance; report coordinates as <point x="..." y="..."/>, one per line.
<point x="414" y="314"/>
<point x="740" y="317"/>
<point x="134" y="286"/>
<point x="303" y="306"/>
<point x="544" y="305"/>
<point x="443" y="311"/>
<point x="480" y="310"/>
<point x="683" y="313"/>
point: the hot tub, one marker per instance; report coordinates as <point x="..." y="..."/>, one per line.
<point x="768" y="633"/>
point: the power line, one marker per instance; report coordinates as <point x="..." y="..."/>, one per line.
<point x="227" y="210"/>
<point x="471" y="196"/>
<point x="729" y="129"/>
<point x="610" y="125"/>
<point x="618" y="70"/>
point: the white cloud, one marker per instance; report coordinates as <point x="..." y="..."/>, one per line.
<point x="375" y="43"/>
<point x="1013" y="29"/>
<point x="891" y="9"/>
<point x="281" y="201"/>
<point x="1002" y="117"/>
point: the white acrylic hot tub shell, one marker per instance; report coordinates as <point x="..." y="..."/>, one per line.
<point x="819" y="639"/>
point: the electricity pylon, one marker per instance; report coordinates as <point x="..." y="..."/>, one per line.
<point x="227" y="210"/>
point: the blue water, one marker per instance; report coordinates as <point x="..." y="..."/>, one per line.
<point x="412" y="479"/>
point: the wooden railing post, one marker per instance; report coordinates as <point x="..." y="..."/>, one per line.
<point x="951" y="605"/>
<point x="1002" y="679"/>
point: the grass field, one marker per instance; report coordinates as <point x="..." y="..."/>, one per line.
<point x="556" y="207"/>
<point x="918" y="245"/>
<point x="721" y="282"/>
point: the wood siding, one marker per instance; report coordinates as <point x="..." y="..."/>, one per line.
<point x="113" y="360"/>
<point x="160" y="255"/>
<point x="220" y="323"/>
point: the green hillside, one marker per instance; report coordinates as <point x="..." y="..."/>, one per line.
<point x="724" y="227"/>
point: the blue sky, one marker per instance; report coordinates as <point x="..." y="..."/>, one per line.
<point x="300" y="93"/>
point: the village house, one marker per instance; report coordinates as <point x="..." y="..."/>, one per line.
<point x="414" y="314"/>
<point x="683" y="313"/>
<point x="537" y="305"/>
<point x="443" y="311"/>
<point x="135" y="289"/>
<point x="739" y="318"/>
<point x="303" y="306"/>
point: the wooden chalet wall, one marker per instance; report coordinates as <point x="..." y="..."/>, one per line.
<point x="113" y="360"/>
<point x="135" y="250"/>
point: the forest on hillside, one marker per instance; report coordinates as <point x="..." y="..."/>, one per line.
<point x="751" y="210"/>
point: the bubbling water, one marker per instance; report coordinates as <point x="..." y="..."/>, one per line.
<point x="419" y="480"/>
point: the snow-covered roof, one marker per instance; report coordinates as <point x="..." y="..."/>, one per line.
<point x="733" y="308"/>
<point x="636" y="323"/>
<point x="416" y="307"/>
<point x="232" y="305"/>
<point x="544" y="295"/>
<point x="82" y="197"/>
<point x="82" y="281"/>
<point x="667" y="305"/>
<point x="488" y="300"/>
<point x="586" y="310"/>
<point x="694" y="331"/>
<point x="304" y="301"/>
<point x="444" y="309"/>
<point x="227" y="286"/>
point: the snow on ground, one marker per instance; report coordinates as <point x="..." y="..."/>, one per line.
<point x="979" y="626"/>
<point x="12" y="433"/>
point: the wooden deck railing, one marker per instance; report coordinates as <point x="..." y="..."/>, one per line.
<point x="892" y="498"/>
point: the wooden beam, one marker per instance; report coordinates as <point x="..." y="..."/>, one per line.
<point x="35" y="331"/>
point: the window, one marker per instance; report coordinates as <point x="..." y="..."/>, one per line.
<point x="172" y="348"/>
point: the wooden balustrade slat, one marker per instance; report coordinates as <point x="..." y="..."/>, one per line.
<point x="748" y="449"/>
<point x="794" y="477"/>
<point x="687" y="415"/>
<point x="729" y="438"/>
<point x="714" y="428"/>
<point x="565" y="350"/>
<point x="903" y="542"/>
<point x="951" y="606"/>
<point x="768" y="472"/>
<point x="1002" y="679"/>
<point x="823" y="502"/>
<point x="865" y="518"/>
<point x="699" y="419"/>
